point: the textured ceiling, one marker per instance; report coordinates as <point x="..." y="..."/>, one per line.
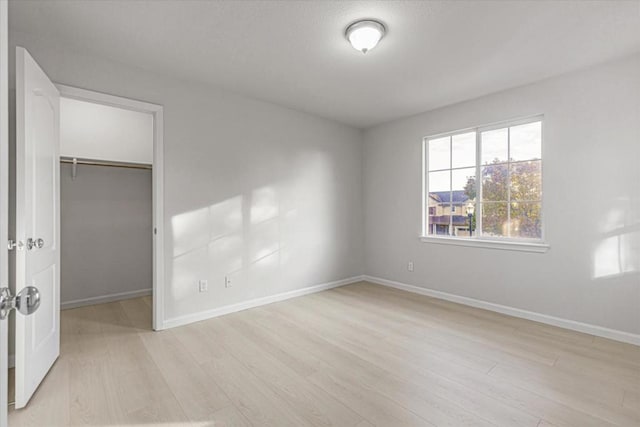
<point x="294" y="53"/>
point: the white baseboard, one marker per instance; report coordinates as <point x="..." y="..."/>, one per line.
<point x="221" y="311"/>
<point x="104" y="298"/>
<point x="586" y="328"/>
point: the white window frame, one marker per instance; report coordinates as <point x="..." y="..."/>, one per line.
<point x="505" y="243"/>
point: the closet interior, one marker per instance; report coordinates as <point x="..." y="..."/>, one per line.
<point x="106" y="156"/>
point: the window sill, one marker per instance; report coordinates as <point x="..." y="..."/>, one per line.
<point x="489" y="244"/>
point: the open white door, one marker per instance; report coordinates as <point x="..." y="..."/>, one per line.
<point x="37" y="223"/>
<point x="4" y="205"/>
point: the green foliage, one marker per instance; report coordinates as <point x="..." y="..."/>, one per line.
<point x="470" y="188"/>
<point x="524" y="182"/>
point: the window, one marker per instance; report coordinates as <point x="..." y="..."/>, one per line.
<point x="485" y="183"/>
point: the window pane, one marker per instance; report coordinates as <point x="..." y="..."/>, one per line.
<point x="440" y="182"/>
<point x="439" y="203"/>
<point x="526" y="141"/>
<point x="526" y="181"/>
<point x="494" y="182"/>
<point x="494" y="146"/>
<point x="461" y="219"/>
<point x="526" y="220"/>
<point x="439" y="153"/>
<point x="463" y="183"/>
<point x="438" y="221"/>
<point x="494" y="219"/>
<point x="464" y="150"/>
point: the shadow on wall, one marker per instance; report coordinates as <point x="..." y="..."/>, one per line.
<point x="266" y="241"/>
<point x="617" y="252"/>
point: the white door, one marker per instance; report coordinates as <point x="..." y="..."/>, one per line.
<point x="37" y="223"/>
<point x="4" y="205"/>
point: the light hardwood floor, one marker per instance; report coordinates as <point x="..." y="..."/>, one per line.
<point x="360" y="355"/>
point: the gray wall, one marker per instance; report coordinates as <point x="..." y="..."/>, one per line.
<point x="105" y="232"/>
<point x="267" y="195"/>
<point x="591" y="152"/>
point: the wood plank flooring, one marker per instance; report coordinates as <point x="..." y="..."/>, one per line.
<point x="360" y="355"/>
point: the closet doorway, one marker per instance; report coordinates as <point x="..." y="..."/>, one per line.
<point x="110" y="200"/>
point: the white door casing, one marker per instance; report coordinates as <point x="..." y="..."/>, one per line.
<point x="37" y="217"/>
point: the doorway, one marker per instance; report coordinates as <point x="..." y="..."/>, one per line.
<point x="112" y="202"/>
<point x="108" y="163"/>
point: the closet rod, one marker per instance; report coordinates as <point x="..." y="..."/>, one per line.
<point x="72" y="161"/>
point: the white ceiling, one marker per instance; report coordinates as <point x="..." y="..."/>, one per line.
<point x="294" y="53"/>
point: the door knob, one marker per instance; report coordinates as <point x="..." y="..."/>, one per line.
<point x="35" y="243"/>
<point x="26" y="302"/>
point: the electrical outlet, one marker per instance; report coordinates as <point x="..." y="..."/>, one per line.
<point x="227" y="282"/>
<point x="203" y="286"/>
<point x="410" y="266"/>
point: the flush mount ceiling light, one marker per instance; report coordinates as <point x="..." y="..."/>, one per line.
<point x="364" y="35"/>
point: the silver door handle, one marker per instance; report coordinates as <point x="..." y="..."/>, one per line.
<point x="35" y="243"/>
<point x="26" y="302"/>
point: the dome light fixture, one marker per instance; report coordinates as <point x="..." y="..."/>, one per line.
<point x="364" y="35"/>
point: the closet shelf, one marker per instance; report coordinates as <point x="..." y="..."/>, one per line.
<point x="106" y="163"/>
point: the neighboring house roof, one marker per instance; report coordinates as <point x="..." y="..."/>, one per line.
<point x="457" y="196"/>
